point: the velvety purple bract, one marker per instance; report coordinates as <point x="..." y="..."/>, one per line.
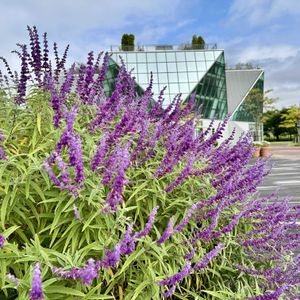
<point x="36" y="292"/>
<point x="2" y="241"/>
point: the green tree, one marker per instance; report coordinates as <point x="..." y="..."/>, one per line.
<point x="127" y="42"/>
<point x="198" y="42"/>
<point x="271" y="121"/>
<point x="289" y="120"/>
<point x="255" y="104"/>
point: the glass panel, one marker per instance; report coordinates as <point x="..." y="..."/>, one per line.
<point x="161" y="57"/>
<point x="115" y="57"/>
<point x="131" y="57"/>
<point x="155" y="78"/>
<point x="200" y="55"/>
<point x="143" y="78"/>
<point x="161" y="86"/>
<point x="141" y="57"/>
<point x="209" y="91"/>
<point x="174" y="88"/>
<point x="183" y="87"/>
<point x="191" y="66"/>
<point x="193" y="76"/>
<point x="184" y="95"/>
<point x="181" y="67"/>
<point x="151" y="57"/>
<point x="190" y="56"/>
<point x="200" y="75"/>
<point x="163" y="78"/>
<point x="172" y="67"/>
<point x="155" y="89"/>
<point x="171" y="56"/>
<point x="131" y="66"/>
<point x="142" y="68"/>
<point x="152" y="68"/>
<point x="162" y="67"/>
<point x="182" y="77"/>
<point x="201" y="66"/>
<point x="209" y="55"/>
<point x="180" y="56"/>
<point x="173" y="77"/>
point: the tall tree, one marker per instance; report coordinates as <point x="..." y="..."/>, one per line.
<point x="289" y="120"/>
<point x="127" y="42"/>
<point x="198" y="42"/>
<point x="255" y="104"/>
<point x="271" y="120"/>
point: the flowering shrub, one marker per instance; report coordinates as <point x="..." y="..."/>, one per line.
<point x="116" y="197"/>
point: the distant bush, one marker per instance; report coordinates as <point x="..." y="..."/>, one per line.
<point x="117" y="197"/>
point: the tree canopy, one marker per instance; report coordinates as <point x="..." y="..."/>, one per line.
<point x="127" y="42"/>
<point x="198" y="42"/>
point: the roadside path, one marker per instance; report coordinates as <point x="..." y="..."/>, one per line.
<point x="285" y="174"/>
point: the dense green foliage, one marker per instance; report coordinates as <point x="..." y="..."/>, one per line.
<point x="38" y="220"/>
<point x="281" y="123"/>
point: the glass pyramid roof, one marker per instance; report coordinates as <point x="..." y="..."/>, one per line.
<point x="179" y="70"/>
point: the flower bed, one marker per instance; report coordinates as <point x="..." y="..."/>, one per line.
<point x="114" y="197"/>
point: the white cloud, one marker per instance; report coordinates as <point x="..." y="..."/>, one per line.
<point x="262" y="53"/>
<point x="74" y="21"/>
<point x="257" y="12"/>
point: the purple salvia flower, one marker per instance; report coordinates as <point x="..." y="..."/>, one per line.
<point x="24" y="76"/>
<point x="69" y="139"/>
<point x="172" y="281"/>
<point x="9" y="71"/>
<point x="168" y="232"/>
<point x="88" y="273"/>
<point x="270" y="296"/>
<point x="36" y="292"/>
<point x="186" y="219"/>
<point x="13" y="278"/>
<point x="2" y="151"/>
<point x="184" y="174"/>
<point x="148" y="225"/>
<point x="76" y="213"/>
<point x="169" y="292"/>
<point x="2" y="240"/>
<point x="111" y="165"/>
<point x="100" y="154"/>
<point x="55" y="101"/>
<point x="128" y="242"/>
<point x="114" y="198"/>
<point x="111" y="258"/>
<point x="190" y="255"/>
<point x="207" y="258"/>
<point x="97" y="63"/>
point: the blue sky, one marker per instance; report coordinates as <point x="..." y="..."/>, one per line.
<point x="263" y="32"/>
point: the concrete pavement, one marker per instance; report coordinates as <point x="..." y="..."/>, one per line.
<point x="285" y="174"/>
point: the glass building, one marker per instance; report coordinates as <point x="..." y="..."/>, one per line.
<point x="187" y="70"/>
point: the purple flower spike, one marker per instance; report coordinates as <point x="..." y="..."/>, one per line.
<point x="76" y="213"/>
<point x="173" y="280"/>
<point x="112" y="257"/>
<point x="13" y="278"/>
<point x="170" y="292"/>
<point x="208" y="257"/>
<point x="36" y="292"/>
<point x="2" y="152"/>
<point x="269" y="296"/>
<point x="168" y="232"/>
<point x="128" y="242"/>
<point x="89" y="273"/>
<point x="148" y="225"/>
<point x="2" y="241"/>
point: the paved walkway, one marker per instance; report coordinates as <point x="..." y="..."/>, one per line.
<point x="285" y="174"/>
